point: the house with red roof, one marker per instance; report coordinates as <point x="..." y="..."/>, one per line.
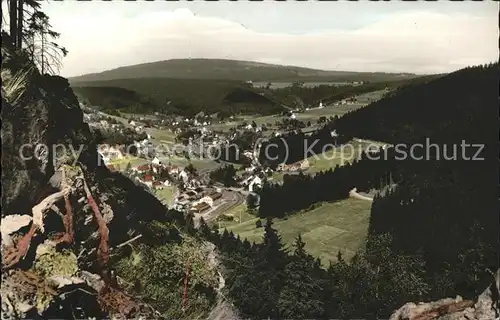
<point x="142" y="168"/>
<point x="158" y="185"/>
<point x="147" y="179"/>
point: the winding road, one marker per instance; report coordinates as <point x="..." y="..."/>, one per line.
<point x="354" y="194"/>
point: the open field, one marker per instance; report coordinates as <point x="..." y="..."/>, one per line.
<point x="166" y="195"/>
<point x="161" y="136"/>
<point x="338" y="156"/>
<point x="330" y="111"/>
<point x="332" y="157"/>
<point x="121" y="164"/>
<point x="279" y="84"/>
<point x="326" y="229"/>
<point x="200" y="164"/>
<point x="310" y="115"/>
<point x="239" y="212"/>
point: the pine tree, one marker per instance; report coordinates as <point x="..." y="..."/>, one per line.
<point x="272" y="261"/>
<point x="128" y="168"/>
<point x="204" y="229"/>
<point x="301" y="294"/>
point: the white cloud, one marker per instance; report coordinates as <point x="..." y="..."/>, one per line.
<point x="420" y="42"/>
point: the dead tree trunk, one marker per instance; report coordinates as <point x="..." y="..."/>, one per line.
<point x="19" y="35"/>
<point x="13" y="21"/>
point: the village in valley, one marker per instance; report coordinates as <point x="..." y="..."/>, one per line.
<point x="171" y="156"/>
<point x="179" y="160"/>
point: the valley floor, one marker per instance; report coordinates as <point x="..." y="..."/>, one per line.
<point x="326" y="229"/>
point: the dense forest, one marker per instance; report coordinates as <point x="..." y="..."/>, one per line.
<point x="443" y="204"/>
<point x="458" y="105"/>
<point x="233" y="70"/>
<point x="269" y="280"/>
<point x="298" y="192"/>
<point x="185" y="97"/>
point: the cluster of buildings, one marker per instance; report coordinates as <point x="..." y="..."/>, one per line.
<point x="100" y="120"/>
<point x="294" y="167"/>
<point x="197" y="200"/>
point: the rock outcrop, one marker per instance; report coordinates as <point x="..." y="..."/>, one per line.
<point x="486" y="307"/>
<point x="65" y="215"/>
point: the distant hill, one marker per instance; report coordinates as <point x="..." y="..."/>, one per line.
<point x="180" y="96"/>
<point x="233" y="70"/>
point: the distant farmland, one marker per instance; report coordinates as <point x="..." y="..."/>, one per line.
<point x="280" y="85"/>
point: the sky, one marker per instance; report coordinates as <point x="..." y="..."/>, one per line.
<point x="417" y="37"/>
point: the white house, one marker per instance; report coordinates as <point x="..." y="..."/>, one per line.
<point x="304" y="165"/>
<point x="249" y="127"/>
<point x="256" y="182"/>
<point x="293" y="116"/>
<point x="156" y="161"/>
<point x="184" y="176"/>
<point x="248" y="154"/>
<point x="173" y="170"/>
<point x="207" y="200"/>
<point x="104" y="157"/>
<point x="334" y="134"/>
<point x="132" y="123"/>
<point x="320" y="105"/>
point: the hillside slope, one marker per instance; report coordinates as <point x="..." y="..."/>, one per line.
<point x="231" y="70"/>
<point x="444" y="198"/>
<point x="450" y="105"/>
<point x="70" y="227"/>
<point x="181" y="96"/>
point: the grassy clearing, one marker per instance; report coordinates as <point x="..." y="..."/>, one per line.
<point x="335" y="156"/>
<point x="239" y="212"/>
<point x="330" y="227"/>
<point x="259" y="120"/>
<point x="199" y="164"/>
<point x="160" y="136"/>
<point x="166" y="194"/>
<point x="330" y="158"/>
<point x="121" y="164"/>
<point x="333" y="111"/>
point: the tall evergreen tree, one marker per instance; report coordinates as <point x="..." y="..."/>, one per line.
<point x="301" y="296"/>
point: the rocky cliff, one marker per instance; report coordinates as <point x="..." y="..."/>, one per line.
<point x="484" y="308"/>
<point x="64" y="216"/>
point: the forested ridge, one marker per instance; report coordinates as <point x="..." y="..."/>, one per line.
<point x="440" y="213"/>
<point x="462" y="104"/>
